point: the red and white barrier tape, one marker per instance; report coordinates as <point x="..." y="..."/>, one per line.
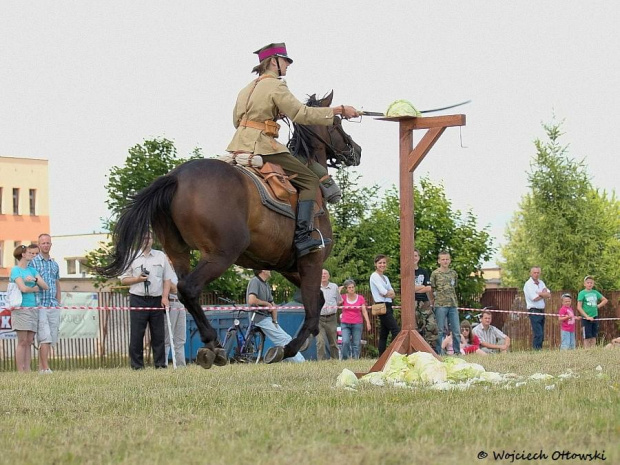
<point x="285" y="307"/>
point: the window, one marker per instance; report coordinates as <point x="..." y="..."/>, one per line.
<point x="84" y="270"/>
<point x="15" y="201"/>
<point x="32" y="194"/>
<point x="71" y="265"/>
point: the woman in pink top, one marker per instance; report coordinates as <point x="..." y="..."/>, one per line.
<point x="353" y="316"/>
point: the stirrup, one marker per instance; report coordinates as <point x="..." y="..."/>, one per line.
<point x="324" y="241"/>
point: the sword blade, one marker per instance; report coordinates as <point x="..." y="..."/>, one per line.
<point x="446" y="108"/>
<point x="378" y="113"/>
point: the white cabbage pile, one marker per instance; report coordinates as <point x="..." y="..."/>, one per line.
<point x="402" y="108"/>
<point x="423" y="370"/>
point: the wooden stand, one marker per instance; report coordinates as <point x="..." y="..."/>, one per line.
<point x="409" y="340"/>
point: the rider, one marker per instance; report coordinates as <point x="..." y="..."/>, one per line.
<point x="258" y="106"/>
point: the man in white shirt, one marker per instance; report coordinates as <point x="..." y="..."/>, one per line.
<point x="492" y="340"/>
<point x="178" y="324"/>
<point x="535" y="293"/>
<point x="148" y="277"/>
<point x="328" y="320"/>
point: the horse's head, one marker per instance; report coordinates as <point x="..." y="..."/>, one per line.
<point x="329" y="145"/>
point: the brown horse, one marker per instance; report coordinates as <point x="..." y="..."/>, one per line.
<point x="210" y="206"/>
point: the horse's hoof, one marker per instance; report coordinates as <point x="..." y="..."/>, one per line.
<point x="220" y="357"/>
<point x="205" y="358"/>
<point x="306" y="344"/>
<point x="274" y="354"/>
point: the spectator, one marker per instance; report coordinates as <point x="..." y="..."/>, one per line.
<point x="492" y="340"/>
<point x="615" y="343"/>
<point x="447" y="346"/>
<point x="49" y="300"/>
<point x="443" y="283"/>
<point x="178" y="317"/>
<point x="424" y="315"/>
<point x="567" y="323"/>
<point x="535" y="293"/>
<point x="148" y="277"/>
<point x="382" y="292"/>
<point x="470" y="343"/>
<point x="258" y="294"/>
<point x="25" y="319"/>
<point x="328" y="321"/>
<point x="354" y="314"/>
<point x="589" y="301"/>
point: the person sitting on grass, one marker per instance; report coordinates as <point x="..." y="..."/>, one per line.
<point x="615" y="343"/>
<point x="446" y="345"/>
<point x="470" y="342"/>
<point x="492" y="340"/>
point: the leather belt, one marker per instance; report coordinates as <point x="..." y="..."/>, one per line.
<point x="270" y="128"/>
<point x="246" y="123"/>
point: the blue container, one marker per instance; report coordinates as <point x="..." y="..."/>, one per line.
<point x="221" y="320"/>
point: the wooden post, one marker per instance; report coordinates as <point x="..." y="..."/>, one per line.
<point x="409" y="340"/>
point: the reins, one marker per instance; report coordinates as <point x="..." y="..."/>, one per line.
<point x="300" y="144"/>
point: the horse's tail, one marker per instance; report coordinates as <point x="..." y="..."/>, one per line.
<point x="145" y="208"/>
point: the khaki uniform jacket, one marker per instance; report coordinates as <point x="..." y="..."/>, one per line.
<point x="267" y="100"/>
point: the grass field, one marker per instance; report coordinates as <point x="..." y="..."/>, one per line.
<point x="293" y="414"/>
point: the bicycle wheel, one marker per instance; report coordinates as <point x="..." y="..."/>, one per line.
<point x="230" y="344"/>
<point x="253" y="348"/>
<point x="259" y="344"/>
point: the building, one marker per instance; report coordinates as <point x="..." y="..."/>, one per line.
<point x="492" y="277"/>
<point x="24" y="205"/>
<point x="70" y="252"/>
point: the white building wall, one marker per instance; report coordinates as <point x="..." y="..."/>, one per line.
<point x="70" y="251"/>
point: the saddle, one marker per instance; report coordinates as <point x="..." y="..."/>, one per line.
<point x="274" y="186"/>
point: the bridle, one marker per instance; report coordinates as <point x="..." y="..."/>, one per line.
<point x="300" y="144"/>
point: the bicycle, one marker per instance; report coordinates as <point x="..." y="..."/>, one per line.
<point x="248" y="344"/>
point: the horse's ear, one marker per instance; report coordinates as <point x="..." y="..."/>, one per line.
<point x="327" y="100"/>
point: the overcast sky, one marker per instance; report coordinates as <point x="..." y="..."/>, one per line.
<point x="81" y="82"/>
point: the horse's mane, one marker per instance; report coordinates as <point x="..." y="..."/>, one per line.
<point x="301" y="142"/>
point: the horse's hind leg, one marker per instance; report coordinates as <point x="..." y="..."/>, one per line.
<point x="190" y="288"/>
<point x="309" y="281"/>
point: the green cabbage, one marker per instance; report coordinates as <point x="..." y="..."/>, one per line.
<point x="402" y="108"/>
<point x="463" y="371"/>
<point x="422" y="368"/>
<point x="346" y="379"/>
<point x="374" y="377"/>
<point x="491" y="377"/>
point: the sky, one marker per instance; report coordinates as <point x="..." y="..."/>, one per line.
<point x="82" y="82"/>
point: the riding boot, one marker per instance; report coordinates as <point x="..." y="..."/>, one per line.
<point x="304" y="242"/>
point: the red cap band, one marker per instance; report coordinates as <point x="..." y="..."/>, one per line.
<point x="270" y="52"/>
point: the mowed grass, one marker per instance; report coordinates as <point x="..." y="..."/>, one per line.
<point x="293" y="414"/>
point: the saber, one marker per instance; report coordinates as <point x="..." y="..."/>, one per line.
<point x="377" y="113"/>
<point x="171" y="339"/>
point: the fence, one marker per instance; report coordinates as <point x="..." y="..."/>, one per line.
<point x="109" y="349"/>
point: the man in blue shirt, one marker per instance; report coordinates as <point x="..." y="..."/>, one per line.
<point x="49" y="300"/>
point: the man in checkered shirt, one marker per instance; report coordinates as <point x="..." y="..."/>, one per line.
<point x="48" y="300"/>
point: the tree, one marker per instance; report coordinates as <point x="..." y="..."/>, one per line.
<point x="365" y="226"/>
<point x="145" y="163"/>
<point x="563" y="224"/>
